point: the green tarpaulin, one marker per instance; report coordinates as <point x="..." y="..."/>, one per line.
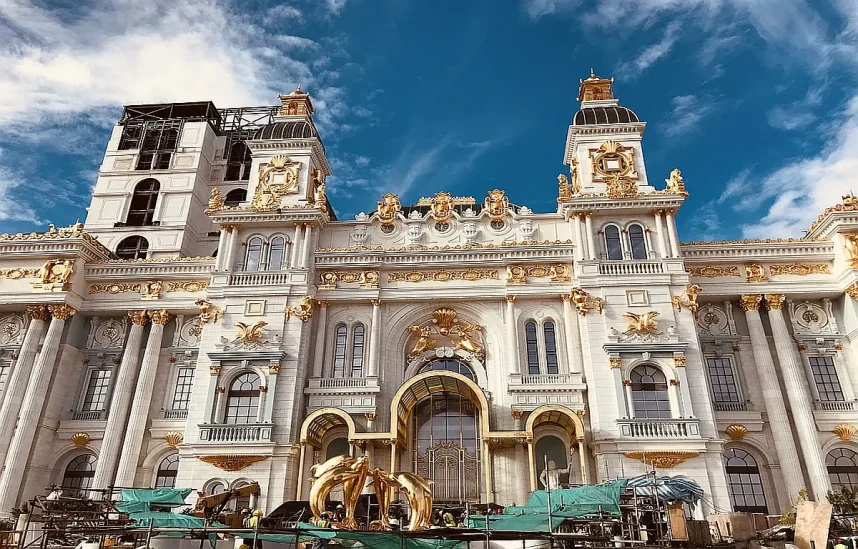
<point x="375" y="540"/>
<point x="171" y="520"/>
<point x="142" y="501"/>
<point x="528" y="523"/>
<point x="575" y="502"/>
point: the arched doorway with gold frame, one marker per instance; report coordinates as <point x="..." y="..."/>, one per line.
<point x="313" y="432"/>
<point x="558" y="417"/>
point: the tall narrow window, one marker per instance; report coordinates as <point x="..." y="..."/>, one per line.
<point x="158" y="144"/>
<point x="340" y="352"/>
<point x="613" y="245"/>
<point x="550" y="348"/>
<point x="95" y="399"/>
<point x="842" y="467"/>
<point x="168" y="469"/>
<point x="79" y="474"/>
<point x="133" y="247"/>
<point x="649" y="393"/>
<point x="184" y="386"/>
<point x="235" y="197"/>
<point x="254" y="254"/>
<point x="143" y="201"/>
<point x="825" y="377"/>
<point x="357" y="351"/>
<point x="276" y="253"/>
<point x="238" y="163"/>
<point x="744" y="482"/>
<point x="637" y="241"/>
<point x="532" y="348"/>
<point x="725" y="391"/>
<point x="242" y="403"/>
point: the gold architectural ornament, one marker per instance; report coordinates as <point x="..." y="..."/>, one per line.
<point x="443" y="247"/>
<point x="54" y="275"/>
<point x="497" y="205"/>
<point x="160" y="316"/>
<point x="852" y="290"/>
<point x="564" y="189"/>
<point x="152" y="289"/>
<point x="250" y="333"/>
<point x="518" y="274"/>
<point x="595" y="88"/>
<point x="516" y="414"/>
<point x="750" y="302"/>
<point x="277" y="178"/>
<point x="174" y="438"/>
<point x="800" y="269"/>
<point x="388" y="209"/>
<point x="775" y="301"/>
<point x="469" y="275"/>
<point x="62" y="311"/>
<point x="445" y="322"/>
<point x="273" y="368"/>
<point x="320" y="196"/>
<point x="584" y="302"/>
<point x="576" y="177"/>
<point x="114" y="288"/>
<point x="615" y="362"/>
<point x="138" y="318"/>
<point x="366" y="279"/>
<point x="850" y="243"/>
<point x="59" y="233"/>
<point x="581" y="415"/>
<point x="736" y="431"/>
<point x="442" y="207"/>
<point x="232" y="462"/>
<point x="80" y="439"/>
<point x="710" y="271"/>
<point x="370" y="416"/>
<point x="662" y="459"/>
<point x="296" y="103"/>
<point x="216" y="201"/>
<point x="688" y="299"/>
<point x="424" y="341"/>
<point x="208" y="313"/>
<point x="510" y="298"/>
<point x="614" y="164"/>
<point x="18" y="273"/>
<point x="642" y="324"/>
<point x="559" y="273"/>
<point x="675" y="184"/>
<point x="303" y="310"/>
<point x="215" y="369"/>
<point x="679" y="361"/>
<point x="38" y="312"/>
<point x="844" y="431"/>
<point x="621" y="187"/>
<point x="189" y="286"/>
<point x="754" y="272"/>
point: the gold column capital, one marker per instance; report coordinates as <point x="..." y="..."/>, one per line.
<point x="38" y="312"/>
<point x="615" y="362"/>
<point x="160" y="316"/>
<point x="566" y="297"/>
<point x="375" y="302"/>
<point x="61" y="311"/>
<point x="322" y="304"/>
<point x="775" y="301"/>
<point x="510" y="298"/>
<point x="138" y="318"/>
<point x="750" y="302"/>
<point x="852" y="290"/>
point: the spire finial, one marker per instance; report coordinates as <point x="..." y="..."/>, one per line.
<point x="592" y="73"/>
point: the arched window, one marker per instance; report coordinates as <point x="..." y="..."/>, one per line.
<point x="637" y="241"/>
<point x="241" y="502"/>
<point x="242" y="403"/>
<point x="744" y="482"/>
<point x="532" y="348"/>
<point x="142" y="209"/>
<point x="78" y="475"/>
<point x="235" y="197"/>
<point x="132" y="247"/>
<point x="613" y="244"/>
<point x="340" y="352"/>
<point x="276" y="253"/>
<point x="551" y="448"/>
<point x="167" y="471"/>
<point x="450" y="366"/>
<point x="238" y="163"/>
<point x="550" y="347"/>
<point x="337" y="447"/>
<point x="254" y="254"/>
<point x="215" y="488"/>
<point x="842" y="467"/>
<point x="357" y="350"/>
<point x="649" y="393"/>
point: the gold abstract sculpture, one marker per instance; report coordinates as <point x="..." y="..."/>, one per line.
<point x="250" y="334"/>
<point x="216" y="201"/>
<point x="303" y="310"/>
<point x="688" y="299"/>
<point x="208" y="312"/>
<point x="676" y="184"/>
<point x="445" y="322"/>
<point x="584" y="302"/>
<point x="642" y="324"/>
<point x="442" y="207"/>
<point x="55" y="275"/>
<point x="388" y="207"/>
<point x="497" y="205"/>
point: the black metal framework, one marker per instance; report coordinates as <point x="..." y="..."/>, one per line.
<point x="532" y="347"/>
<point x="723" y="380"/>
<point x="649" y="393"/>
<point x="825" y="377"/>
<point x="95" y="398"/>
<point x="242" y="402"/>
<point x="613" y="244"/>
<point x="842" y="465"/>
<point x="184" y="387"/>
<point x="744" y="482"/>
<point x="79" y="474"/>
<point x="456" y="366"/>
<point x="158" y="144"/>
<point x="235" y="197"/>
<point x="133" y="247"/>
<point x="637" y="240"/>
<point x="141" y="212"/>
<point x="550" y="347"/>
<point x="168" y="470"/>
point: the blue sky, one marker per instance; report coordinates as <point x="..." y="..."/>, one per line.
<point x="755" y="100"/>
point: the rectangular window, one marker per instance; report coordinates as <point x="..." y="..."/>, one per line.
<point x="184" y="386"/>
<point x="550" y="348"/>
<point x="825" y="377"/>
<point x="95" y="399"/>
<point x="357" y="352"/>
<point x="723" y="381"/>
<point x="340" y="352"/>
<point x="532" y="348"/>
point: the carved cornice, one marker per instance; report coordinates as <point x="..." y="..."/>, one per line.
<point x="750" y="302"/>
<point x="232" y="462"/>
<point x="61" y="311"/>
<point x="662" y="459"/>
<point x="443" y="275"/>
<point x="712" y="271"/>
<point x="114" y="288"/>
<point x="17" y="273"/>
<point x="799" y="269"/>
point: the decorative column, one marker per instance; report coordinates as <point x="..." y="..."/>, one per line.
<point x="306" y="249"/>
<point x="17" y="383"/>
<point x="772" y="398"/>
<point x="616" y="364"/>
<point x="374" y="339"/>
<point x="123" y="390"/>
<point x="591" y="243"/>
<point x="211" y="393"/>
<point x="135" y="430"/>
<point x="580" y="245"/>
<point x="574" y="354"/>
<point x="321" y="335"/>
<point x="18" y="451"/>
<point x="671" y="233"/>
<point x="582" y="457"/>
<point x="222" y="248"/>
<point x="263" y="403"/>
<point x="659" y="232"/>
<point x="232" y="246"/>
<point x="531" y="463"/>
<point x="799" y="400"/>
<point x="511" y="344"/>
<point x="487" y="469"/>
<point x="301" y="460"/>
<point x="682" y="380"/>
<point x="273" y="374"/>
<point x="296" y="246"/>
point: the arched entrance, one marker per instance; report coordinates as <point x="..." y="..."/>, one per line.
<point x="546" y="423"/>
<point x="313" y="432"/>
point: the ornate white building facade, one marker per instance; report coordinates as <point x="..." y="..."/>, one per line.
<point x="212" y="324"/>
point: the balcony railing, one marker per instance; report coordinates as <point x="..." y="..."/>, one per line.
<point x="259" y="279"/>
<point x="731" y="406"/>
<point x="99" y="415"/>
<point x="544" y="379"/>
<point x="338" y="382"/>
<point x="175" y="414"/>
<point x="836" y="405"/>
<point x="235" y="433"/>
<point x="659" y="428"/>
<point x="630" y="267"/>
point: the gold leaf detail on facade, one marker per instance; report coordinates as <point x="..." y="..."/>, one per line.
<point x="152" y="289"/>
<point x="250" y="334"/>
<point x="518" y="274"/>
<point x="799" y="269"/>
<point x="445" y="322"/>
<point x="160" y="316"/>
<point x="388" y="208"/>
<point x="736" y="431"/>
<point x="80" y="439"/>
<point x="303" y="310"/>
<point x="754" y="272"/>
<point x="189" y="286"/>
<point x="16" y="273"/>
<point x="615" y="362"/>
<point x="852" y="290"/>
<point x="584" y="302"/>
<point x="497" y="205"/>
<point x="750" y="302"/>
<point x="676" y="185"/>
<point x="662" y="459"/>
<point x="443" y="276"/>
<point x="713" y="272"/>
<point x="62" y="311"/>
<point x="208" y="312"/>
<point x="216" y="201"/>
<point x="688" y="299"/>
<point x="442" y="207"/>
<point x="277" y="177"/>
<point x="366" y="279"/>
<point x="174" y="438"/>
<point x="55" y="275"/>
<point x="232" y="462"/>
<point x="844" y="431"/>
<point x="645" y="323"/>
<point x="849" y="204"/>
<point x="114" y="288"/>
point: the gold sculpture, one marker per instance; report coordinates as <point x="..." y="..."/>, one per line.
<point x="55" y="274"/>
<point x="80" y="439"/>
<point x="576" y="177"/>
<point x="664" y="458"/>
<point x="754" y="272"/>
<point x="388" y="207"/>
<point x="850" y="242"/>
<point x="445" y="323"/>
<point x="497" y="205"/>
<point x="152" y="289"/>
<point x="688" y="299"/>
<point x="278" y="177"/>
<point x="442" y="207"/>
<point x="303" y="310"/>
<point x="844" y="431"/>
<point x="216" y="201"/>
<point x="736" y="431"/>
<point x="250" y="334"/>
<point x="208" y="312"/>
<point x="564" y="189"/>
<point x="321" y="197"/>
<point x="642" y="324"/>
<point x="424" y="342"/>
<point x="465" y="342"/>
<point x="676" y="184"/>
<point x="584" y="302"/>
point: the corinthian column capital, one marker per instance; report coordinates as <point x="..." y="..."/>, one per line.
<point x="138" y="318"/>
<point x="750" y="302"/>
<point x="38" y="312"/>
<point x="160" y="316"/>
<point x="61" y="311"/>
<point x="775" y="301"/>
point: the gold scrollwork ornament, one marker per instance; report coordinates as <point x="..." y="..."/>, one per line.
<point x="303" y="310"/>
<point x="497" y="205"/>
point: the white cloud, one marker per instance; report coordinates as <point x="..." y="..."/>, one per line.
<point x="651" y="53"/>
<point x="12" y="209"/>
<point x="285" y="12"/>
<point x="335" y="6"/>
<point x="686" y="113"/>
